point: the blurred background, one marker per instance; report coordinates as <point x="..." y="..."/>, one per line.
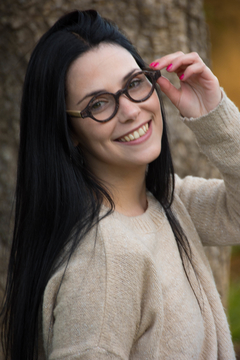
<point x="223" y="19"/>
<point x="156" y="27"/>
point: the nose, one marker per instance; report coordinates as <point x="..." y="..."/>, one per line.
<point x="128" y="110"/>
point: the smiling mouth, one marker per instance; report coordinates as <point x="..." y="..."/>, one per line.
<point x="136" y="134"/>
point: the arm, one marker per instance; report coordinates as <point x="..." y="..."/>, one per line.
<point x="214" y="205"/>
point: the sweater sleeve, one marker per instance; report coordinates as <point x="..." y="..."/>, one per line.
<point x="214" y="205"/>
<point x="99" y="308"/>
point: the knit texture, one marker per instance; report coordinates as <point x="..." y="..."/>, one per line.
<point x="125" y="294"/>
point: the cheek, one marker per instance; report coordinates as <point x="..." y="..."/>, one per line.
<point x="89" y="133"/>
<point x="156" y="103"/>
<point x="156" y="109"/>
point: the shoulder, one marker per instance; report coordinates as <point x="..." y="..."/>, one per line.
<point x="98" y="296"/>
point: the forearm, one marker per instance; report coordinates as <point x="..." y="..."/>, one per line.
<point x="214" y="205"/>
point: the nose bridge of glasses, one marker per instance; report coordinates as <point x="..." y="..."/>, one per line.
<point x="120" y="92"/>
<point x="127" y="105"/>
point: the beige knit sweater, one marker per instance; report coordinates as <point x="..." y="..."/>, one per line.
<point x="126" y="296"/>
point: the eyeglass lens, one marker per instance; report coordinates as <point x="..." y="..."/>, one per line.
<point x="103" y="106"/>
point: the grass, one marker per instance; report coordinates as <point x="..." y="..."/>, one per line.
<point x="234" y="298"/>
<point x="234" y="310"/>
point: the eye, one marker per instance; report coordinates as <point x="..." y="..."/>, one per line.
<point x="99" y="104"/>
<point x="134" y="83"/>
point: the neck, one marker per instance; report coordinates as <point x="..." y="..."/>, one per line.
<point x="128" y="190"/>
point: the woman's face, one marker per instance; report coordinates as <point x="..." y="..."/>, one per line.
<point x="106" y="68"/>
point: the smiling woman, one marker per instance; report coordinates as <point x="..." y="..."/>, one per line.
<point x="107" y="258"/>
<point x="104" y="70"/>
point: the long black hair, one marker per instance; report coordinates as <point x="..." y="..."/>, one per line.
<point x="56" y="192"/>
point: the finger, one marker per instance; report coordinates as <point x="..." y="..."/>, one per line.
<point x="165" y="61"/>
<point x="177" y="62"/>
<point x="182" y="62"/>
<point x="194" y="69"/>
<point x="169" y="90"/>
<point x="202" y="74"/>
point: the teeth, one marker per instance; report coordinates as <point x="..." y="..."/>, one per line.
<point x="136" y="134"/>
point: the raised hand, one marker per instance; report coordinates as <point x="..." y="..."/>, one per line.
<point x="199" y="91"/>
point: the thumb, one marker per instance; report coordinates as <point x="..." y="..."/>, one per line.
<point x="169" y="89"/>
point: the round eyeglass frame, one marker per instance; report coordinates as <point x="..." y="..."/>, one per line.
<point x="86" y="112"/>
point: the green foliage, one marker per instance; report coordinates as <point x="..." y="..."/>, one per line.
<point x="236" y="252"/>
<point x="234" y="296"/>
<point x="234" y="310"/>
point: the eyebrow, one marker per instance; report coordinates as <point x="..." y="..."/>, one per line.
<point x="96" y="92"/>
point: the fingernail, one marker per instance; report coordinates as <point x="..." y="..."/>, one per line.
<point x="181" y="77"/>
<point x="169" y="67"/>
<point x="154" y="64"/>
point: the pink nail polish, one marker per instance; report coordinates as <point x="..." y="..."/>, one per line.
<point x="152" y="64"/>
<point x="169" y="67"/>
<point x="181" y="77"/>
<point x="156" y="64"/>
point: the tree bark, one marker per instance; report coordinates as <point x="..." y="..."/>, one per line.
<point x="156" y="28"/>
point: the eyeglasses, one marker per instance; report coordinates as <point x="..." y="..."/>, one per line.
<point x="104" y="106"/>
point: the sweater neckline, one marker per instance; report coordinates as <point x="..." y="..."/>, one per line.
<point x="151" y="220"/>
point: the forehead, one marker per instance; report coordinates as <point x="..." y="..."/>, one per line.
<point x="102" y="66"/>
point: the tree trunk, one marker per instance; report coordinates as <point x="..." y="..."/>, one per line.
<point x="156" y="27"/>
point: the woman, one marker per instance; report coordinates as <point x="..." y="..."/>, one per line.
<point x="107" y="259"/>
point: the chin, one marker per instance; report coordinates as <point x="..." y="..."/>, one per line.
<point x="153" y="154"/>
<point x="149" y="157"/>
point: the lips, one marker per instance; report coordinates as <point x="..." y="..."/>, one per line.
<point x="136" y="134"/>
